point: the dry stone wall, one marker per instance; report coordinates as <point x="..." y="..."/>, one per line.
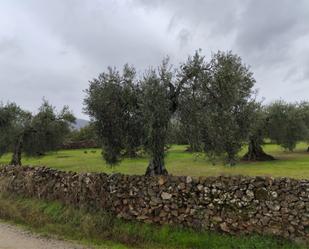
<point x="235" y="205"/>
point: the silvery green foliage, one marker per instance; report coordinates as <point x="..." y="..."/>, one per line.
<point x="191" y="101"/>
<point x="229" y="105"/>
<point x="33" y="134"/>
<point x="112" y="102"/>
<point x="129" y="112"/>
<point x="134" y="130"/>
<point x="86" y="133"/>
<point x="304" y="110"/>
<point x="48" y="129"/>
<point x="214" y="103"/>
<point x="287" y="123"/>
<point x="14" y="122"/>
<point x="156" y="106"/>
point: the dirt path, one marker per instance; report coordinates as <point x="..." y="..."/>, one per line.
<point x="12" y="237"/>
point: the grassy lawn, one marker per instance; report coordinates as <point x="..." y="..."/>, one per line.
<point x="291" y="164"/>
<point x="105" y="231"/>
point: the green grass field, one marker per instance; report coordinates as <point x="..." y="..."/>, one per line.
<point x="178" y="162"/>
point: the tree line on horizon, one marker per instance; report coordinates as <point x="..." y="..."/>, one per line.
<point x="209" y="105"/>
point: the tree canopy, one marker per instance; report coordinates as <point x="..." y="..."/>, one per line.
<point x="113" y="103"/>
<point x="36" y="134"/>
<point x="229" y="105"/>
<point x="49" y="129"/>
<point x="287" y="123"/>
<point x="212" y="100"/>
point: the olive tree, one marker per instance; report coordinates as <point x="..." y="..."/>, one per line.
<point x="286" y="124"/>
<point x="86" y="133"/>
<point x="257" y="134"/>
<point x="32" y="134"/>
<point x="15" y="125"/>
<point x="304" y="112"/>
<point x="48" y="129"/>
<point x="216" y="95"/>
<point x="156" y="112"/>
<point x="228" y="105"/>
<point x="191" y="100"/>
<point x="134" y="127"/>
<point x="113" y="102"/>
<point x="125" y="108"/>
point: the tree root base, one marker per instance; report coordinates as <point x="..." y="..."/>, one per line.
<point x="257" y="157"/>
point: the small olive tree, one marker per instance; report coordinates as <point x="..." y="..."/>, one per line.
<point x="48" y="129"/>
<point x="15" y="125"/>
<point x="86" y="133"/>
<point x="286" y="125"/>
<point x="304" y="112"/>
<point x="33" y="134"/>
<point x="257" y="134"/>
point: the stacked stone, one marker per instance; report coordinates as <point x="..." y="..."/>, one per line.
<point x="235" y="204"/>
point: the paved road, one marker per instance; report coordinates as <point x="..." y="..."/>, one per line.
<point x="12" y="237"/>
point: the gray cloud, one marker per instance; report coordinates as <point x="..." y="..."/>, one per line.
<point x="9" y="46"/>
<point x="53" y="48"/>
<point x="268" y="29"/>
<point x="184" y="37"/>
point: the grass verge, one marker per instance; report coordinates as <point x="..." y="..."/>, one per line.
<point x="179" y="162"/>
<point x="104" y="231"/>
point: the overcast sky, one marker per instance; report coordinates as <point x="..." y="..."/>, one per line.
<point x="53" y="48"/>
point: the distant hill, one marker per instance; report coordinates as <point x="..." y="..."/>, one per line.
<point x="80" y="123"/>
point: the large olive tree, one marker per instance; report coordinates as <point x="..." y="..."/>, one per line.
<point x="227" y="87"/>
<point x="113" y="101"/>
<point x="191" y="101"/>
<point x="140" y="111"/>
<point x="216" y="97"/>
<point x="156" y="105"/>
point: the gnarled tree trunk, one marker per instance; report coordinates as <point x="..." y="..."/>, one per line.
<point x="156" y="167"/>
<point x="156" y="164"/>
<point x="256" y="152"/>
<point x="16" y="157"/>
